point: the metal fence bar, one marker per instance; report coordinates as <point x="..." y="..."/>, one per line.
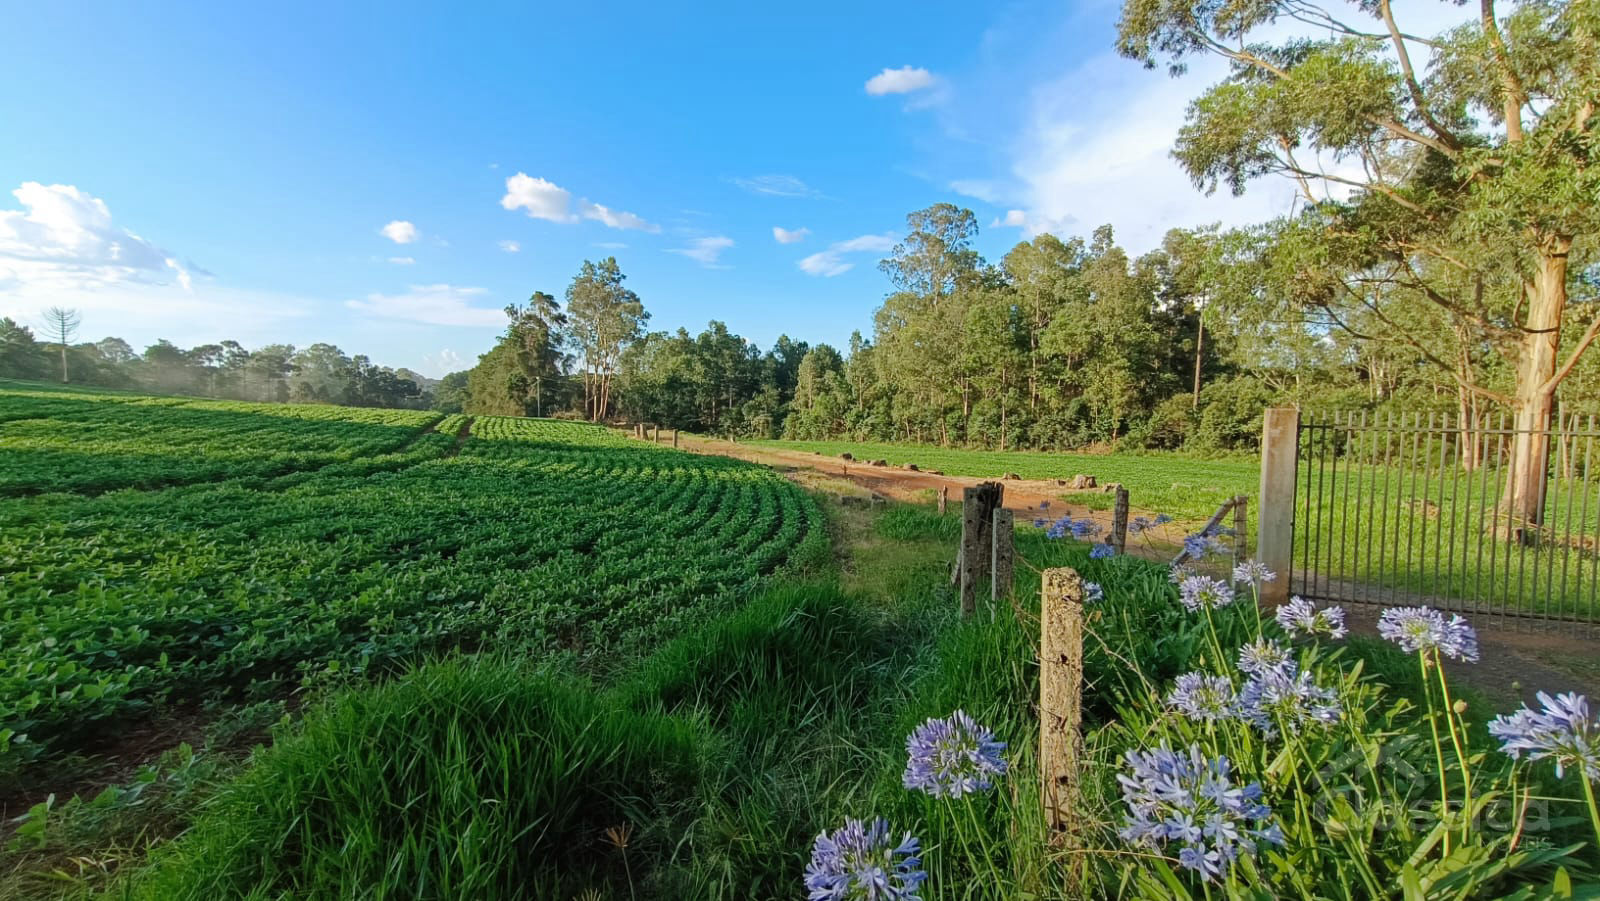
<point x="1388" y="505"/>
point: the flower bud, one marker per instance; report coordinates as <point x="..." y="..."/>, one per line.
<point x="1459" y="707"/>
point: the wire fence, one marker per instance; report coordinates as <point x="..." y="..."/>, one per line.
<point x="1415" y="509"/>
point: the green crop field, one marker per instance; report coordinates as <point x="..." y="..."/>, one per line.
<point x="291" y="541"/>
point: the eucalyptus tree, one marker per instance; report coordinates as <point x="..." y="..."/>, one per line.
<point x="605" y="317"/>
<point x="1453" y="170"/>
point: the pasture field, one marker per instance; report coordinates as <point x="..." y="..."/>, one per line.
<point x="319" y="540"/>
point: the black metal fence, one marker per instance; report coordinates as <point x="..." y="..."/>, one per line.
<point x="1415" y="510"/>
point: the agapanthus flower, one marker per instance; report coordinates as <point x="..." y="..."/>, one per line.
<point x="1102" y="551"/>
<point x="1044" y="505"/>
<point x="1200" y="544"/>
<point x="1177" y="573"/>
<point x="1564" y="730"/>
<point x="951" y="757"/>
<point x="1420" y="629"/>
<point x="1286" y="697"/>
<point x="1093" y="593"/>
<point x="1162" y="519"/>
<point x="1038" y="524"/>
<point x="1264" y="654"/>
<point x="1254" y="573"/>
<point x="1300" y="618"/>
<point x="1202" y="697"/>
<point x="1185" y="799"/>
<point x="861" y="863"/>
<point x="1204" y="592"/>
<point x="1139" y="524"/>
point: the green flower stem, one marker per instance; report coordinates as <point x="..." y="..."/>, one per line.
<point x="1455" y="740"/>
<point x="1594" y="809"/>
<point x="1438" y="747"/>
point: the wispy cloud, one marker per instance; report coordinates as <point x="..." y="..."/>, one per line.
<point x="776" y="186"/>
<point x="510" y="246"/>
<point x="706" y="251"/>
<point x="399" y="231"/>
<point x="788" y="236"/>
<point x="832" y="262"/>
<point x="440" y="304"/>
<point x="402" y="261"/>
<point x="904" y="80"/>
<point x="544" y="199"/>
<point x="440" y="364"/>
<point x="611" y="245"/>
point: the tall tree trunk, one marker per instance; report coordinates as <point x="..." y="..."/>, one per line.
<point x="1199" y="345"/>
<point x="1535" y="394"/>
<point x="63" y="361"/>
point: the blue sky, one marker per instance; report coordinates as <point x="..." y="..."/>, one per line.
<point x="210" y="171"/>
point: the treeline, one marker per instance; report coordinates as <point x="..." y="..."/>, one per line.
<point x="276" y="373"/>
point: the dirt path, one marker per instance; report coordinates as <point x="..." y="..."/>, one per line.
<point x="1026" y="497"/>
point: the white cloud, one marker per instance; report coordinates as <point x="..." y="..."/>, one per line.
<point x="981" y="189"/>
<point x="431" y="305"/>
<point x="441" y="364"/>
<point x="399" y="231"/>
<point x="706" y="251"/>
<point x="546" y="200"/>
<point x="1012" y="219"/>
<point x="511" y="246"/>
<point x="904" y="80"/>
<point x="614" y="218"/>
<point x="776" y="186"/>
<point x="64" y="239"/>
<point x="402" y="261"/>
<point x="786" y="236"/>
<point x="831" y="262"/>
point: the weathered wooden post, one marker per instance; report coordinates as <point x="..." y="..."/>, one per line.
<point x="1004" y="553"/>
<point x="1060" y="694"/>
<point x="978" y="503"/>
<point x="1241" y="529"/>
<point x="1119" y="521"/>
<point x="944" y="497"/>
<point x="674" y="439"/>
<point x="1280" y="452"/>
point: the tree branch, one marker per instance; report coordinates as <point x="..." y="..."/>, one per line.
<point x="1516" y="95"/>
<point x="1415" y="88"/>
<point x="1588" y="338"/>
<point x="1420" y="348"/>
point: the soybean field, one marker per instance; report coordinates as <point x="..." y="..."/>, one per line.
<point x="159" y="551"/>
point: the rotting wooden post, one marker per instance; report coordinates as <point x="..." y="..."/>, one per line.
<point x="1003" y="555"/>
<point x="674" y="439"/>
<point x="1280" y="451"/>
<point x="1060" y="694"/>
<point x="1119" y="521"/>
<point x="944" y="498"/>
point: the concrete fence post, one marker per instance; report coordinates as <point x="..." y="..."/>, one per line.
<point x="944" y="498"/>
<point x="1001" y="564"/>
<point x="1060" y="694"/>
<point x="1280" y="453"/>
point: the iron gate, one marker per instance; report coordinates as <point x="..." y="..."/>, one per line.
<point x="1413" y="509"/>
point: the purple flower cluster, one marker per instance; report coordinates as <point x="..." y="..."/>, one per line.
<point x="861" y="863"/>
<point x="1185" y="799"/>
<point x="1422" y="629"/>
<point x="1145" y="523"/>
<point x="1287" y="697"/>
<point x="1080" y="529"/>
<point x="1253" y="573"/>
<point x="1265" y="655"/>
<point x="952" y="757"/>
<point x="1201" y="544"/>
<point x="1093" y="593"/>
<point x="1300" y="618"/>
<point x="1564" y="730"/>
<point x="1102" y="551"/>
<point x="1204" y="592"/>
<point x="1202" y="698"/>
